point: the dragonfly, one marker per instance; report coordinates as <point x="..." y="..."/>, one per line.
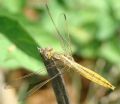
<point x="68" y="61"/>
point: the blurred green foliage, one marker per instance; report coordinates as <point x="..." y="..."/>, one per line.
<point x="94" y="29"/>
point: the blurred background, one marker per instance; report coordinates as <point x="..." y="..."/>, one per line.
<point x="94" y="28"/>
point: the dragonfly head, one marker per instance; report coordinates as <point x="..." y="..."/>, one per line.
<point x="46" y="52"/>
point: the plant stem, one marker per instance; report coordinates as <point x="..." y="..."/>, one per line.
<point x="57" y="82"/>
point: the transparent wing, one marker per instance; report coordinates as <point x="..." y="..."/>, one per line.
<point x="13" y="81"/>
<point x="37" y="87"/>
<point x="64" y="38"/>
<point x="65" y="33"/>
<point x="29" y="75"/>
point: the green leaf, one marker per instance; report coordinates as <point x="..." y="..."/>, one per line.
<point x="13" y="6"/>
<point x="106" y="27"/>
<point x="88" y="51"/>
<point x="110" y="52"/>
<point x="18" y="48"/>
<point x="116" y="8"/>
<point x="81" y="35"/>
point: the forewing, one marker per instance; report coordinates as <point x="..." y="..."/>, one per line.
<point x="63" y="36"/>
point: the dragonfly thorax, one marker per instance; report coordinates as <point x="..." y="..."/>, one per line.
<point x="69" y="57"/>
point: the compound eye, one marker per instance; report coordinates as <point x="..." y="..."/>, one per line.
<point x="46" y="55"/>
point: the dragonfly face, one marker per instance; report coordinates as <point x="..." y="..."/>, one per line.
<point x="48" y="52"/>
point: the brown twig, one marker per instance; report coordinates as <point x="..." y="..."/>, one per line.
<point x="58" y="82"/>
